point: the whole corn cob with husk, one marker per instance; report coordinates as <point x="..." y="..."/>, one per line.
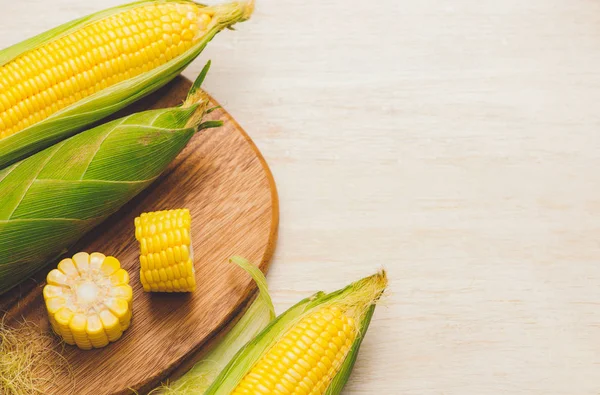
<point x="166" y="251"/>
<point x="49" y="200"/>
<point x="55" y="84"/>
<point x="309" y="349"/>
<point x="88" y="299"/>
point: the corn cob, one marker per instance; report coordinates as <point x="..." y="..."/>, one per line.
<point x="310" y="349"/>
<point x="306" y="358"/>
<point x="166" y="252"/>
<point x="53" y="85"/>
<point x="88" y="299"/>
<point x="50" y="199"/>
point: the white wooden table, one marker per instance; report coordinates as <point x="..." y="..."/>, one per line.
<point x="457" y="144"/>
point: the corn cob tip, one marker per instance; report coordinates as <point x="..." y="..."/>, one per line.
<point x="369" y="289"/>
<point x="248" y="9"/>
<point x="228" y="14"/>
<point x="201" y="100"/>
<point x="245" y="8"/>
<point x="378" y="283"/>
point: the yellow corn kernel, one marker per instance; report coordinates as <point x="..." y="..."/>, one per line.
<point x="166" y="253"/>
<point x="41" y="82"/>
<point x="306" y="359"/>
<point x="88" y="299"/>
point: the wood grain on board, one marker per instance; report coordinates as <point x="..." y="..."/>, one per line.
<point x="223" y="180"/>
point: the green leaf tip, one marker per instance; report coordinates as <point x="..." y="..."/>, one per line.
<point x="200" y="99"/>
<point x="260" y="280"/>
<point x="210" y="125"/>
<point x="199" y="81"/>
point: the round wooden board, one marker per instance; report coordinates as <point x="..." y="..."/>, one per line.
<point x="224" y="181"/>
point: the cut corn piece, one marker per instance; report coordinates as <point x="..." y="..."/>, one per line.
<point x="310" y="349"/>
<point x="88" y="299"/>
<point x="166" y="252"/>
<point x="56" y="83"/>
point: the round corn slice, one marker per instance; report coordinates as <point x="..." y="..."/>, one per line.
<point x="88" y="299"/>
<point x="166" y="253"/>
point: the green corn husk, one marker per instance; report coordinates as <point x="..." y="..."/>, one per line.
<point x="49" y="200"/>
<point x="358" y="300"/>
<point x="257" y="317"/>
<point x="76" y="117"/>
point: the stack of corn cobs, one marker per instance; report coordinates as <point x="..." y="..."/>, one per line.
<point x="58" y="180"/>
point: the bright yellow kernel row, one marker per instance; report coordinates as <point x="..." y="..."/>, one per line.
<point x="165" y="258"/>
<point x="163" y="241"/>
<point x="149" y="224"/>
<point x="162" y="272"/>
<point x="177" y="278"/>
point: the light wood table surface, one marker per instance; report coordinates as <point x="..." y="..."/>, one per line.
<point x="455" y="143"/>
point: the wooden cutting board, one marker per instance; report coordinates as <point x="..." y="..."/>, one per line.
<point x="224" y="181"/>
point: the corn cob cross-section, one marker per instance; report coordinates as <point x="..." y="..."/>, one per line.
<point x="166" y="252"/>
<point x="89" y="299"/>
